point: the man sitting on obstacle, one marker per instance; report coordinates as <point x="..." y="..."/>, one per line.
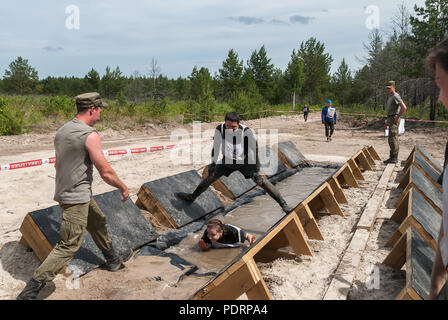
<point x="220" y="235"/>
<point x="239" y="148"/>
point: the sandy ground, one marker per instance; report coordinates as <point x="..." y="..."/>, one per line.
<point x="30" y="189"/>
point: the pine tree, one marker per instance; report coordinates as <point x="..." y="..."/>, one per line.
<point x="231" y="74"/>
<point x="20" y="78"/>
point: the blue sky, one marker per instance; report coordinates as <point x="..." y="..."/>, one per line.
<point x="180" y="34"/>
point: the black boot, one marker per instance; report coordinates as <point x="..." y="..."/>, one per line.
<point x="31" y="290"/>
<point x="275" y="194"/>
<point x="113" y="261"/>
<point x="286" y="208"/>
<point x="392" y="159"/>
<point x="185" y="196"/>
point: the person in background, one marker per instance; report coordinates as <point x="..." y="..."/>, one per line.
<point x="329" y="118"/>
<point x="437" y="61"/>
<point x="395" y="109"/>
<point x="306" y="110"/>
<point x="220" y="235"/>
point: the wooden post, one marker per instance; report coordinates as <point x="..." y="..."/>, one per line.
<point x="349" y="178"/>
<point x="397" y="257"/>
<point x="403" y="209"/>
<point x="338" y="193"/>
<point x="405" y="179"/>
<point x="308" y="222"/>
<point x="361" y="158"/>
<point x="330" y="201"/>
<point x="355" y="169"/>
<point x="373" y="153"/>
<point x="153" y="206"/>
<point x="368" y="156"/>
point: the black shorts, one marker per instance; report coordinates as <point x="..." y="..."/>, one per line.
<point x="248" y="170"/>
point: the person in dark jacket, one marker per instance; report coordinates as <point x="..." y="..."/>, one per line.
<point x="329" y="118"/>
<point x="239" y="148"/>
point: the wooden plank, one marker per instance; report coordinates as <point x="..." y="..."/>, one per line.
<point x="405" y="179"/>
<point x="362" y="160"/>
<point x="154" y="207"/>
<point x="330" y="201"/>
<point x="345" y="273"/>
<point x="430" y="159"/>
<point x="308" y="222"/>
<point x="259" y="291"/>
<point x="219" y="185"/>
<point x="24" y="242"/>
<point x="404" y="209"/>
<point x="338" y="192"/>
<point x="368" y="156"/>
<point x="355" y="169"/>
<point x="35" y="239"/>
<point x="370" y="211"/>
<point x="434" y="182"/>
<point x="283" y="159"/>
<point x="373" y="153"/>
<point x="296" y="237"/>
<point x="409" y="161"/>
<point x="403" y="295"/>
<point x="397" y="257"/>
<point x="403" y="195"/>
<point x="349" y="177"/>
<point x="400" y="231"/>
<point x="235" y="284"/>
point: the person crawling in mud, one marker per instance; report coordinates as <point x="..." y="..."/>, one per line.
<point x="220" y="235"/>
<point x="239" y="149"/>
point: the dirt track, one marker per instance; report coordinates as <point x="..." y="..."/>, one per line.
<point x="29" y="189"/>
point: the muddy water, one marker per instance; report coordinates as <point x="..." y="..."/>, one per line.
<point x="255" y="217"/>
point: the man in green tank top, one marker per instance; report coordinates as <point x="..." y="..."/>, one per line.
<point x="395" y="109"/>
<point x="78" y="148"/>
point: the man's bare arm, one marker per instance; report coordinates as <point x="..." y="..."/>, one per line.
<point x="93" y="145"/>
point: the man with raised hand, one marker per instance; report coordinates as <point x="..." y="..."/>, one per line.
<point x="78" y="148"/>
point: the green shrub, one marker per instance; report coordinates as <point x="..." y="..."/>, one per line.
<point x="12" y="119"/>
<point x="59" y="106"/>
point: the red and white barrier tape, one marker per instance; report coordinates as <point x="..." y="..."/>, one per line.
<point x="130" y="151"/>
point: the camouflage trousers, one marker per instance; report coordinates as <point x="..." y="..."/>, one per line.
<point x="71" y="233"/>
<point x="393" y="136"/>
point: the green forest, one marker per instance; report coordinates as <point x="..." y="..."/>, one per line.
<point x="31" y="104"/>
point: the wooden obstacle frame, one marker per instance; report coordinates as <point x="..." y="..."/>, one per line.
<point x="418" y="260"/>
<point x="403" y="216"/>
<point x="411" y="161"/>
<point x="242" y="276"/>
<point x="407" y="184"/>
<point x="415" y="241"/>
